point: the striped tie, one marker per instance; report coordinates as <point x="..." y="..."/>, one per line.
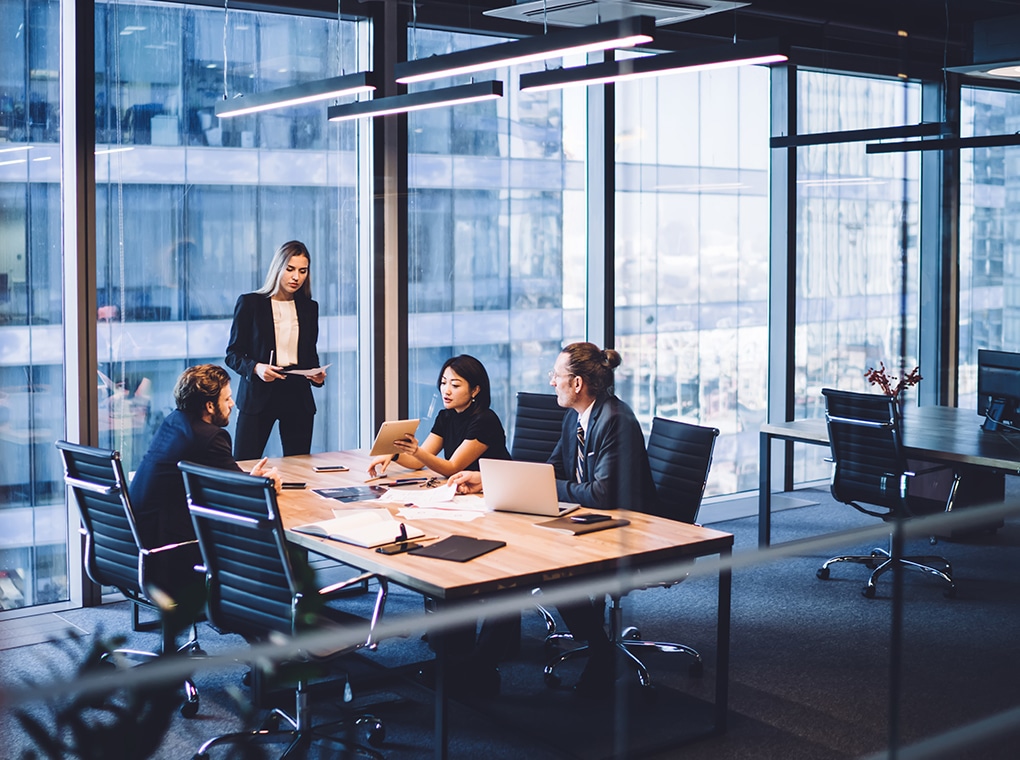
<point x="579" y="469"/>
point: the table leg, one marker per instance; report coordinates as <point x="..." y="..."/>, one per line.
<point x="442" y="727"/>
<point x="722" y="671"/>
<point x="764" y="489"/>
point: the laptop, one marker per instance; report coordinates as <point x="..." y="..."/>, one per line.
<point x="528" y="487"/>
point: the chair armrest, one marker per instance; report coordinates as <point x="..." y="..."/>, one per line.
<point x="377" y="608"/>
<point x="170" y="547"/>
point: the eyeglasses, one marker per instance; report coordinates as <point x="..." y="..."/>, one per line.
<point x="554" y="375"/>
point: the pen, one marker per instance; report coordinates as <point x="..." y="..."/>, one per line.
<point x="271" y="352"/>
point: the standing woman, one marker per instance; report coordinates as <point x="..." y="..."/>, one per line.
<point x="275" y="329"/>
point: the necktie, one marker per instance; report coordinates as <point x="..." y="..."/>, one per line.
<point x="579" y="469"/>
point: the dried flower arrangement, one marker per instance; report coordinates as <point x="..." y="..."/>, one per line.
<point x="885" y="381"/>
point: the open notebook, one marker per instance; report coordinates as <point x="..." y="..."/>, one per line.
<point x="362" y="527"/>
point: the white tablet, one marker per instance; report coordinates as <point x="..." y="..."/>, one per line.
<point x="390" y="432"/>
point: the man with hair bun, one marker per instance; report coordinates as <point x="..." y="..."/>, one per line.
<point x="601" y="463"/>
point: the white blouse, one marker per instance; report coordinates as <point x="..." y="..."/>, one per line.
<point x="286" y="323"/>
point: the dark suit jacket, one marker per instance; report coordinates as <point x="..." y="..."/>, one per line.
<point x="616" y="472"/>
<point x="253" y="337"/>
<point x="157" y="489"/>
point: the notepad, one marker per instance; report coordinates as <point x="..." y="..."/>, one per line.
<point x="362" y="527"/>
<point x="458" y="548"/>
<point x="351" y="493"/>
<point x="566" y="525"/>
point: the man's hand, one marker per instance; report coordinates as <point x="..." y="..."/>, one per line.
<point x="260" y="470"/>
<point x="466" y="481"/>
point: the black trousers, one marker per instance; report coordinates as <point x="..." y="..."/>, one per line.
<point x="295" y="420"/>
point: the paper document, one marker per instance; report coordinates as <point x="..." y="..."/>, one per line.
<point x="440" y="497"/>
<point x="362" y="527"/>
<point x="306" y="372"/>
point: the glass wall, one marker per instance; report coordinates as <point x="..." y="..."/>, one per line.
<point x="33" y="525"/>
<point x="989" y="234"/>
<point x="692" y="237"/>
<point x="190" y="209"/>
<point x="496" y="234"/>
<point x="850" y="314"/>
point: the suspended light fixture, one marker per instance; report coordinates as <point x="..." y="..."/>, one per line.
<point x="626" y="32"/>
<point x="418" y="101"/>
<point x="308" y="92"/>
<point x="699" y="59"/>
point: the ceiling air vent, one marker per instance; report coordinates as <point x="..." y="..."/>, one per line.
<point x="588" y="12"/>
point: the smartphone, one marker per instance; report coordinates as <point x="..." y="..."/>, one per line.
<point x="589" y="518"/>
<point x="400" y="548"/>
<point x="329" y="468"/>
<point x="293" y="484"/>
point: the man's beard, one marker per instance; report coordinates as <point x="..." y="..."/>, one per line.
<point x="219" y="419"/>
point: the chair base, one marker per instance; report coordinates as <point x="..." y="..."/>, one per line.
<point x="881" y="562"/>
<point x="624" y="639"/>
<point x="281" y="727"/>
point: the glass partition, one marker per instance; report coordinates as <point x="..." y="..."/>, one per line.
<point x="692" y="232"/>
<point x="850" y="314"/>
<point x="989" y="236"/>
<point x="496" y="222"/>
<point x="33" y="526"/>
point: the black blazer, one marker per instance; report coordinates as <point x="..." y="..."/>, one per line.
<point x="253" y="337"/>
<point x="616" y="473"/>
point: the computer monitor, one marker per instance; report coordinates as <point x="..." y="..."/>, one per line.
<point x="999" y="389"/>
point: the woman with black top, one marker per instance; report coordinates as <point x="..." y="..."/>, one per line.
<point x="465" y="430"/>
<point x="275" y="329"/>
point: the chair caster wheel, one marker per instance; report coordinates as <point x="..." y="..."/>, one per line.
<point x="822" y="573"/>
<point x="949" y="593"/>
<point x="375" y="731"/>
<point x="190" y="708"/>
<point x="196" y="651"/>
<point x="868" y="592"/>
<point x="271" y="723"/>
<point x="552" y="680"/>
<point x="697" y="669"/>
<point x="246" y="679"/>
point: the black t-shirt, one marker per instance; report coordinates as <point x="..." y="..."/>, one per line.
<point x="470" y="425"/>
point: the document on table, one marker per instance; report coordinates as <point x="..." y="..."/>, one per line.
<point x="362" y="527"/>
<point x="306" y="372"/>
<point x="441" y="496"/>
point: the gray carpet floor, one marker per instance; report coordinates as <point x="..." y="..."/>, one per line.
<point x="809" y="667"/>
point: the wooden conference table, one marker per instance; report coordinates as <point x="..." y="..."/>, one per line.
<point x="940" y="434"/>
<point x="532" y="556"/>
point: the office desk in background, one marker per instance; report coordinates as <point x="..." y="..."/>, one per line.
<point x="943" y="435"/>
<point x="533" y="557"/>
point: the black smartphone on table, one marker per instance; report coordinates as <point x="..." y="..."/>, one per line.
<point x="329" y="468"/>
<point x="292" y="484"/>
<point x="404" y="546"/>
<point x="589" y="518"/>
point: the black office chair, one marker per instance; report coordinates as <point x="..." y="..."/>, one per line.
<point x="537" y="424"/>
<point x="116" y="556"/>
<point x="257" y="589"/>
<point x="680" y="457"/>
<point x="870" y="467"/>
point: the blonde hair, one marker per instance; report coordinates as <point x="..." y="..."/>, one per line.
<point x="284" y="254"/>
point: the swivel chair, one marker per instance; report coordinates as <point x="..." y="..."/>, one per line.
<point x="680" y="457"/>
<point x="869" y="466"/>
<point x="258" y="589"/>
<point x="537" y="424"/>
<point x="116" y="556"/>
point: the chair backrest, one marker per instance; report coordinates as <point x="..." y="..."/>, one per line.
<point x="251" y="583"/>
<point x="869" y="464"/>
<point x="537" y="425"/>
<point x="680" y="456"/>
<point x="112" y="547"/>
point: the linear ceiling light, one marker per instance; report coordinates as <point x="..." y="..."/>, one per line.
<point x="308" y="92"/>
<point x="418" y="101"/>
<point x="925" y="129"/>
<point x="699" y="59"/>
<point x="626" y="32"/>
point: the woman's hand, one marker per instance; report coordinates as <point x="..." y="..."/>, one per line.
<point x="408" y="445"/>
<point x="466" y="481"/>
<point x="319" y="377"/>
<point x="268" y="373"/>
<point x="377" y="467"/>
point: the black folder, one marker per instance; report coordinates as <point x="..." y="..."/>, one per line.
<point x="458" y="548"/>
